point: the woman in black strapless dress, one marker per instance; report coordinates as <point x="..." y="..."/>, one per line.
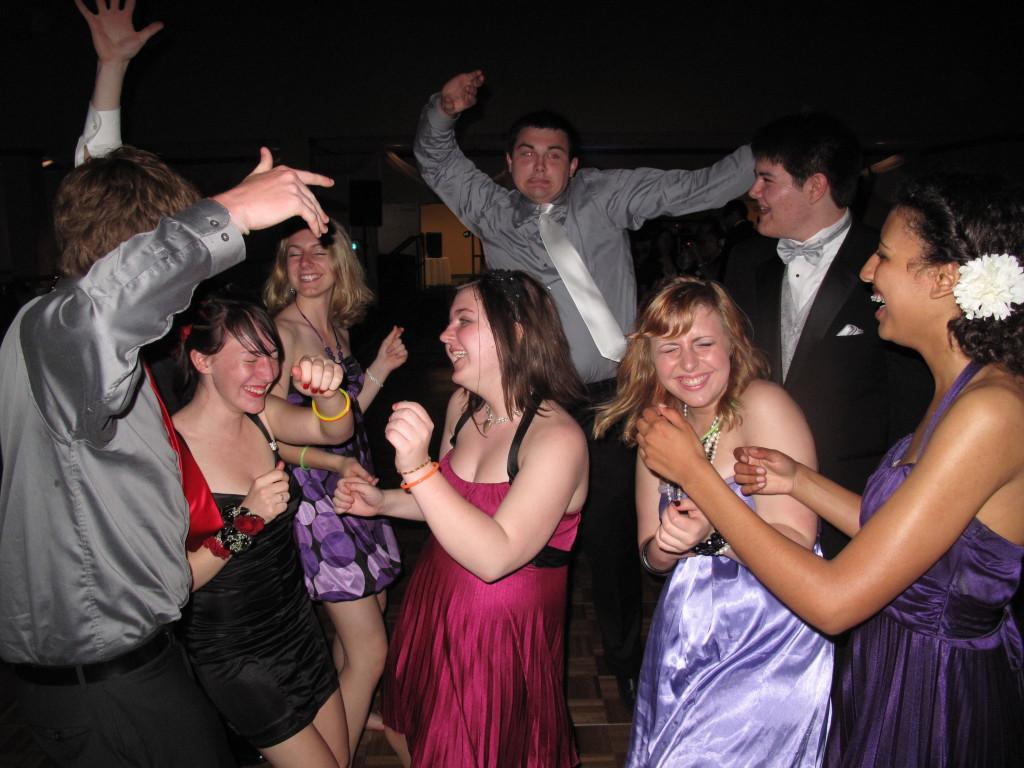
<point x="250" y="630"/>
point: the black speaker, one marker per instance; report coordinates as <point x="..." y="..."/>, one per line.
<point x="432" y="244"/>
<point x="364" y="203"/>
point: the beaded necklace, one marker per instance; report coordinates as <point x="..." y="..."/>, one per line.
<point x="710" y="438"/>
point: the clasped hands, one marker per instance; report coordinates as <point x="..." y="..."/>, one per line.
<point x="408" y="430"/>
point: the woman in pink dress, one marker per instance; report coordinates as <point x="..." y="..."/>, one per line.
<point x="474" y="675"/>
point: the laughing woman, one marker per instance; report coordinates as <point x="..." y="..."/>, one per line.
<point x="250" y="630"/>
<point x="475" y="670"/>
<point x="934" y="673"/>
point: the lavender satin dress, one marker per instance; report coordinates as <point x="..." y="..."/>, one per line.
<point x="730" y="677"/>
<point x="936" y="677"/>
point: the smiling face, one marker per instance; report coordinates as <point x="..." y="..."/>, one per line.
<point x="241" y="377"/>
<point x="783" y="205"/>
<point x="470" y="344"/>
<point x="695" y="366"/>
<point x="901" y="282"/>
<point x="540" y="164"/>
<point x="308" y="265"/>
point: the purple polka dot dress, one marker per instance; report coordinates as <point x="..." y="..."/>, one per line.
<point x="343" y="557"/>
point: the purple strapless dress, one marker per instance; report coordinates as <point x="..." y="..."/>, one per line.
<point x="935" y="678"/>
<point x="730" y="676"/>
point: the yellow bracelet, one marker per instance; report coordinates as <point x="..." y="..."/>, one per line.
<point x="433" y="470"/>
<point x="302" y="458"/>
<point x="344" y="411"/>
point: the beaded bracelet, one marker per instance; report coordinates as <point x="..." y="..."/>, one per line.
<point x="344" y="411"/>
<point x="715" y="545"/>
<point x="433" y="470"/>
<point x="414" y="469"/>
<point x="302" y="458"/>
<point x="374" y="379"/>
<point x="647" y="563"/>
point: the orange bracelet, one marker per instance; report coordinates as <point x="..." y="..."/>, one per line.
<point x="433" y="470"/>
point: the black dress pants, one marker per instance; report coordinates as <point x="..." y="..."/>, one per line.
<point x="155" y="715"/>
<point x="609" y="538"/>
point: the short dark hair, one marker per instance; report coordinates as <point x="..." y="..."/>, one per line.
<point x="543" y="118"/>
<point x="959" y="217"/>
<point x="107" y="200"/>
<point x="807" y="143"/>
<point x="217" y="317"/>
<point x="533" y="353"/>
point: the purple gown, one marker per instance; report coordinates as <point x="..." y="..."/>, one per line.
<point x="730" y="676"/>
<point x="935" y="678"/>
<point x="343" y="557"/>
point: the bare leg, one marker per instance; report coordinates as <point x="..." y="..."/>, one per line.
<point x="400" y="745"/>
<point x="321" y="744"/>
<point x="361" y="644"/>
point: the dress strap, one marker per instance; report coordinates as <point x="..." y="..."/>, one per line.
<point x="512" y="465"/>
<point x="263" y="428"/>
<point x="958" y="386"/>
<point x="460" y="424"/>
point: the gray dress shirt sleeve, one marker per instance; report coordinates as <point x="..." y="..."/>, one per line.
<point x="82" y="349"/>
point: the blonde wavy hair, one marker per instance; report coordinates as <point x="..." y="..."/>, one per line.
<point x="350" y="296"/>
<point x="669" y="314"/>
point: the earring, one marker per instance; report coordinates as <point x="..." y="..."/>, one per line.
<point x="291" y="291"/>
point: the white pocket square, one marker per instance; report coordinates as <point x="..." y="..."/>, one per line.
<point x="850" y="330"/>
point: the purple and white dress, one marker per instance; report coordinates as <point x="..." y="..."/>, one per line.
<point x="343" y="557"/>
<point x="730" y="676"/>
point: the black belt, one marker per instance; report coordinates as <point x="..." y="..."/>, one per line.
<point x="84" y="674"/>
<point x="549" y="557"/>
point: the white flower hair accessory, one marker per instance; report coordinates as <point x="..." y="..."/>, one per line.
<point x="989" y="286"/>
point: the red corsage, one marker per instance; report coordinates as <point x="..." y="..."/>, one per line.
<point x="214" y="544"/>
<point x="249" y="524"/>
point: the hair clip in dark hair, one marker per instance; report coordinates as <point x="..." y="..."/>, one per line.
<point x="508" y="283"/>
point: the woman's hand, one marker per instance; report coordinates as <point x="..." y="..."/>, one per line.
<point x="668" y="445"/>
<point x="683" y="526"/>
<point x="391" y="355"/>
<point x="349" y="467"/>
<point x="318" y="376"/>
<point x="409" y="430"/>
<point x="764" y="471"/>
<point x="268" y="495"/>
<point x="355" y="497"/>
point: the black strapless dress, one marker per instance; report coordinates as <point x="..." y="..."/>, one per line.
<point x="253" y="639"/>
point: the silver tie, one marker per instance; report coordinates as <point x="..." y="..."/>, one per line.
<point x="603" y="327"/>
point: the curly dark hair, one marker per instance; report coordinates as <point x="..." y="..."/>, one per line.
<point x="960" y="217"/>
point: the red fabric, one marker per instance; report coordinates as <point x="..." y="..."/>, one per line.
<point x="204" y="517"/>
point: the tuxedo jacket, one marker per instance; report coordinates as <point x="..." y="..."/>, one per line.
<point x="858" y="392"/>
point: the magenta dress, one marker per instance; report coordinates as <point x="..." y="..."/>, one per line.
<point x="474" y="675"/>
<point x="935" y="678"/>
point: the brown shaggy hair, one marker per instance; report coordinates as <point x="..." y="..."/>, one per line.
<point x="669" y="314"/>
<point x="108" y="200"/>
<point x="350" y="296"/>
<point x="533" y="353"/>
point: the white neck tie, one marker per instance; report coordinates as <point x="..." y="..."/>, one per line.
<point x="584" y="292"/>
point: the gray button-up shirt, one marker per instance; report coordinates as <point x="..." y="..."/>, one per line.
<point x="596" y="210"/>
<point x="92" y="515"/>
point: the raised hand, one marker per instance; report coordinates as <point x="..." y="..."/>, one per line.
<point x="318" y="376"/>
<point x="268" y="495"/>
<point x="667" y="444"/>
<point x="391" y="354"/>
<point x="683" y="526"/>
<point x="459" y="93"/>
<point x="355" y="497"/>
<point x="764" y="471"/>
<point x="271" y="194"/>
<point x="409" y="430"/>
<point x="114" y="37"/>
